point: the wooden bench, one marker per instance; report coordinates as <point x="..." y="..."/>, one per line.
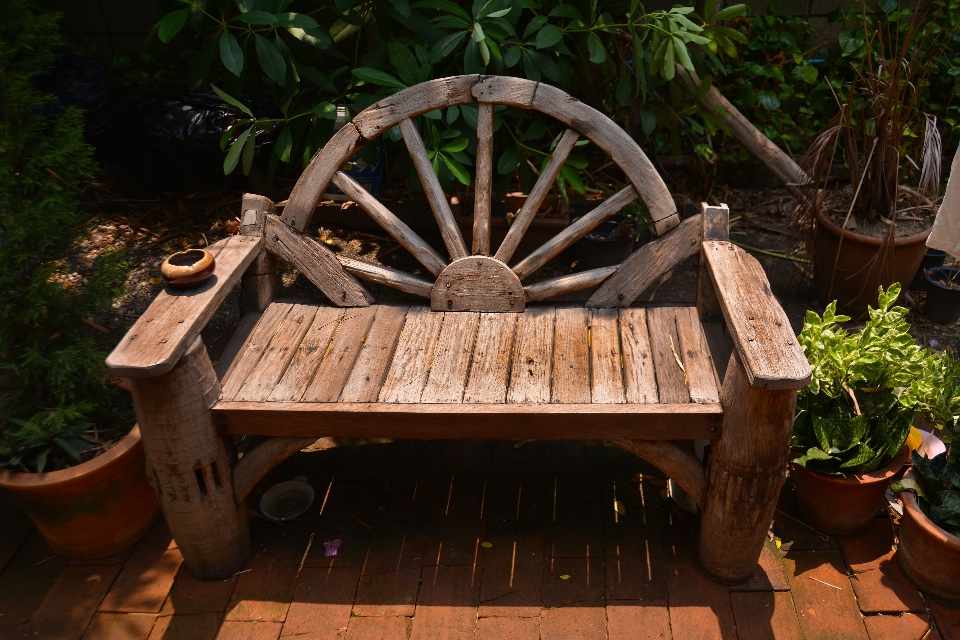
<point x="482" y="357"/>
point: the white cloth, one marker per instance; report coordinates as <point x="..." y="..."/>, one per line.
<point x="945" y="234"/>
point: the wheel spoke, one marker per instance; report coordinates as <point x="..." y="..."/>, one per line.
<point x="431" y="186"/>
<point x="537" y="194"/>
<point x="386" y="276"/>
<point x="566" y="284"/>
<point x="403" y="234"/>
<point x="483" y="187"/>
<point x="574" y="232"/>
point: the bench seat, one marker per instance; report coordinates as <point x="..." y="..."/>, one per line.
<point x="396" y="370"/>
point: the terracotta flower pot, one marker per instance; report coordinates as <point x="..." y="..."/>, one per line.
<point x="854" y="285"/>
<point x="928" y="555"/>
<point x="840" y="505"/>
<point x="94" y="509"/>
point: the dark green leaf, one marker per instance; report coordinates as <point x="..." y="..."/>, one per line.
<point x="509" y="160"/>
<point x="536" y="130"/>
<point x="511" y="57"/>
<point x="284" y="144"/>
<point x="887" y="5"/>
<point x="598" y="53"/>
<point x="200" y="66"/>
<point x="570" y="175"/>
<point x="457" y="145"/>
<point x="533" y="26"/>
<point x="457" y="169"/>
<point x="404" y="62"/>
<point x="248" y="150"/>
<point x="325" y="110"/>
<point x="727" y="13"/>
<point x="470" y="115"/>
<point x="296" y="20"/>
<point x="402" y="7"/>
<point x="68" y="448"/>
<point x="226" y="97"/>
<point x="565" y="11"/>
<point x="624" y="89"/>
<point x="230" y="53"/>
<point x="315" y="37"/>
<point x="447" y="44"/>
<point x="374" y="76"/>
<point x="257" y="18"/>
<point x="769" y="100"/>
<point x="548" y="36"/>
<point x="233" y="155"/>
<point x="270" y="60"/>
<point x="171" y="25"/>
<point x="950" y="500"/>
<point x="443" y="5"/>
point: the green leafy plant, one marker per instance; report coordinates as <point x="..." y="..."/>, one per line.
<point x="51" y="363"/>
<point x="937" y="486"/>
<point x="616" y="56"/>
<point x="856" y="413"/>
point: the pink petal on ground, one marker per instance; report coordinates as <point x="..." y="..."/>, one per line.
<point x="331" y="547"/>
<point x="932" y="446"/>
<point x="934" y="343"/>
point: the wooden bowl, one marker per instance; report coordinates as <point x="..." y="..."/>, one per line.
<point x="187" y="269"/>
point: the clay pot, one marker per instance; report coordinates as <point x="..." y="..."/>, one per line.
<point x="94" y="509"/>
<point x="928" y="555"/>
<point x="188" y="268"/>
<point x="854" y="285"/>
<point x="840" y="505"/>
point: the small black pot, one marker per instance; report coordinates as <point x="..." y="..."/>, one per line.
<point x="943" y="301"/>
<point x="932" y="258"/>
<point x="593" y="253"/>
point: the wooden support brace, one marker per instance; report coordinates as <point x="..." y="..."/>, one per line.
<point x="675" y="461"/>
<point x="260" y="283"/>
<point x="715" y="226"/>
<point x="257" y="462"/>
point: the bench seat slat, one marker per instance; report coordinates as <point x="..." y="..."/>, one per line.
<point x="366" y="378"/>
<point x="571" y="356"/>
<point x="665" y="347"/>
<point x="416" y="351"/>
<point x="532" y="356"/>
<point x="331" y="375"/>
<point x="448" y="373"/>
<point x="639" y="379"/>
<point x="276" y="356"/>
<point x="253" y="349"/>
<point x="309" y="355"/>
<point x="607" y="378"/>
<point x="487" y="381"/>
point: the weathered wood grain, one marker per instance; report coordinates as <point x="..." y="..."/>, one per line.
<point x="675" y="461"/>
<point x="316" y="177"/>
<point x="639" y="378"/>
<point x="427" y="255"/>
<point x="386" y="276"/>
<point x="236" y="342"/>
<point x="175" y="317"/>
<point x="317" y="263"/>
<point x="515" y="92"/>
<point x="432" y="189"/>
<point x="272" y="364"/>
<point x="761" y="331"/>
<point x="414" y="357"/>
<point x="448" y="375"/>
<point x="574" y="232"/>
<point x="477" y="421"/>
<point x="532" y="357"/>
<point x="483" y="186"/>
<point x="477" y="283"/>
<point x="665" y="347"/>
<point x="565" y="284"/>
<point x="747" y="469"/>
<point x="539" y="191"/>
<point x="413" y="101"/>
<point x="605" y="360"/>
<point x="345" y="346"/>
<point x="260" y="283"/>
<point x="371" y="366"/>
<point x="715" y="226"/>
<point x="695" y="354"/>
<point x="647" y="264"/>
<point x="253" y="348"/>
<point x="618" y="144"/>
<point x="571" y="356"/>
<point x="487" y="382"/>
<point x="308" y="355"/>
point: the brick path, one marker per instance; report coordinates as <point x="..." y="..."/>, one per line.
<point x="471" y="540"/>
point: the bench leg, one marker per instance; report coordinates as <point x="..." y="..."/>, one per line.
<point x="745" y="473"/>
<point x="191" y="466"/>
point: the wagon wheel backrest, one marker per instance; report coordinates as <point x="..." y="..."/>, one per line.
<point x="475" y="280"/>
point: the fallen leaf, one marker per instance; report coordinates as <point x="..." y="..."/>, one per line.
<point x="565" y="577"/>
<point x="486" y="545"/>
<point x="331" y="547"/>
<point x="618" y="507"/>
<point x="156" y="281"/>
<point x="778" y="542"/>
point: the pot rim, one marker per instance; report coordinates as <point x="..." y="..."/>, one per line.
<point x="879" y="475"/>
<point x="868" y="240"/>
<point x="18" y="480"/>
<point x="936" y="283"/>
<point x="910" y="504"/>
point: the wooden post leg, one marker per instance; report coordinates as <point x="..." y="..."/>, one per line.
<point x="191" y="466"/>
<point x="746" y="471"/>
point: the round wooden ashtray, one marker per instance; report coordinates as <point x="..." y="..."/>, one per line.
<point x="187" y="269"/>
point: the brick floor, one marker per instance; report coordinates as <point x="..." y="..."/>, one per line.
<point x="479" y="540"/>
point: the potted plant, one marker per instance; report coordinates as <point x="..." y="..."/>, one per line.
<point x="868" y="228"/>
<point x="929" y="548"/>
<point x="67" y="451"/>
<point x="854" y="417"/>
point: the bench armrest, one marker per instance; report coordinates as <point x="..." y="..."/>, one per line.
<point x="158" y="338"/>
<point x="762" y="335"/>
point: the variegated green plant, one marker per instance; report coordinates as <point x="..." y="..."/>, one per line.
<point x="856" y="413"/>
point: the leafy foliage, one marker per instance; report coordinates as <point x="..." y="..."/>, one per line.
<point x="614" y="55"/>
<point x="937" y="486"/>
<point x="51" y="367"/>
<point x="856" y="412"/>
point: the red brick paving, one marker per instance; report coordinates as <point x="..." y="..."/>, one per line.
<point x="559" y="563"/>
